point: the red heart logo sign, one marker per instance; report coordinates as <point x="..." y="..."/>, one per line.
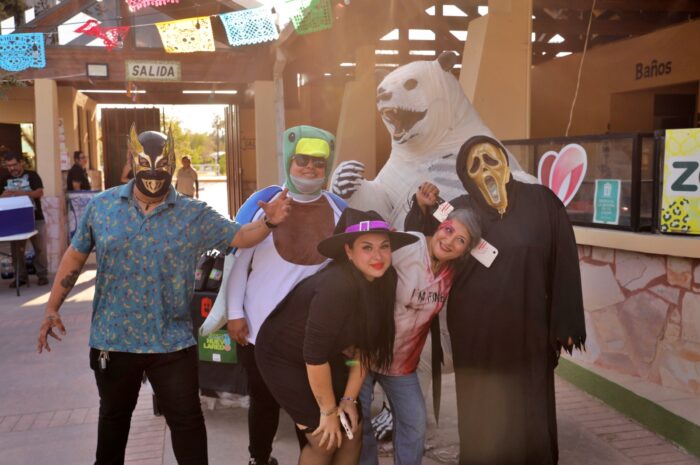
<point x="563" y="172"/>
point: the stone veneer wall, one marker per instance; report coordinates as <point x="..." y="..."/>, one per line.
<point x="642" y="315"/>
<point x="54" y="209"/>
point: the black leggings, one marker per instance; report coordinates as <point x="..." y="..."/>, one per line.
<point x="264" y="411"/>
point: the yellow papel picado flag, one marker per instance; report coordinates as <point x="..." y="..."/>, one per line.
<point x="187" y="35"/>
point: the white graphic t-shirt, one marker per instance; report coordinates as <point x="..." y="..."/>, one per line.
<point x="420" y="296"/>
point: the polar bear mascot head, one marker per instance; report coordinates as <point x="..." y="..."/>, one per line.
<point x="425" y="110"/>
<point x="428" y="117"/>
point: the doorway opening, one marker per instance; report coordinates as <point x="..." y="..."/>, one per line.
<point x="658" y="108"/>
<point x="206" y="134"/>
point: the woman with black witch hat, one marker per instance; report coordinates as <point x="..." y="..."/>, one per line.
<point x="315" y="347"/>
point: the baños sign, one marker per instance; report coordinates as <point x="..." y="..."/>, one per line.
<point x="160" y="71"/>
<point x="653" y="69"/>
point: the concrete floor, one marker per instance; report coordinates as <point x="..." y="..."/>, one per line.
<point x="49" y="404"/>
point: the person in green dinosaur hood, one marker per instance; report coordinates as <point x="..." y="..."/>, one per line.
<point x="262" y="276"/>
<point x="308" y="159"/>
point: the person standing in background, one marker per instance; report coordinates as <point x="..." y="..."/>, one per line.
<point x="78" y="179"/>
<point x="187" y="182"/>
<point x="20" y="182"/>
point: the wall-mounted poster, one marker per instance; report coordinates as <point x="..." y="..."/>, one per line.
<point x="77" y="203"/>
<point x="563" y="172"/>
<point x="606" y="205"/>
<point x="680" y="201"/>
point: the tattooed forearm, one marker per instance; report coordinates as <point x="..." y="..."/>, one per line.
<point x="66" y="277"/>
<point x="68" y="282"/>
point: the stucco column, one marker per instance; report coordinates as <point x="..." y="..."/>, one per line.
<point x="46" y="139"/>
<point x="356" y="135"/>
<point x="269" y="126"/>
<point x="46" y="135"/>
<point x="496" y="67"/>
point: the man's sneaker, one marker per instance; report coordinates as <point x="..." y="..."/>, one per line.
<point x="270" y="461"/>
<point x="42" y="281"/>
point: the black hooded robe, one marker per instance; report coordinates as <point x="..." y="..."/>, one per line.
<point x="508" y="323"/>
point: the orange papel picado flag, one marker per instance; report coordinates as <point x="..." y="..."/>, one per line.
<point x="187" y="35"/>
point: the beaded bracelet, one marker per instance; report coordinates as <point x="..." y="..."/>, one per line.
<point x="349" y="399"/>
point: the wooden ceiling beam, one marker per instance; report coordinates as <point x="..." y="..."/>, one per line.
<point x="361" y="24"/>
<point x="418" y="45"/>
<point x="439" y="23"/>
<point x="167" y="98"/>
<point x="184" y="10"/>
<point x="49" y="19"/>
<point x="622" y="27"/>
<point x="156" y="86"/>
<point x="384" y="59"/>
<point x="553" y="49"/>
<point x="160" y="92"/>
<point x="622" y="5"/>
<point x="228" y="66"/>
<point x="466" y="5"/>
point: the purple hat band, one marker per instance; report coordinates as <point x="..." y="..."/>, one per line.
<point x="367" y="226"/>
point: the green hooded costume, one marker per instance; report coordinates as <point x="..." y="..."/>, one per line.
<point x="313" y="142"/>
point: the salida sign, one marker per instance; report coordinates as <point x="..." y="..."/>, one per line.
<point x="160" y="71"/>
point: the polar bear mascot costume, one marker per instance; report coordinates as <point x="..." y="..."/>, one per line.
<point x="429" y="118"/>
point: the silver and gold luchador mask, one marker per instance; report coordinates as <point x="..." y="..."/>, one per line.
<point x="487" y="167"/>
<point x="153" y="161"/>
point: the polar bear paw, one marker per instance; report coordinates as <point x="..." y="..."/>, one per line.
<point x="347" y="178"/>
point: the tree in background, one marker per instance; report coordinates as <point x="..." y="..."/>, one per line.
<point x="197" y="146"/>
<point x="222" y="165"/>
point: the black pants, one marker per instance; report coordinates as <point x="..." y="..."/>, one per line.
<point x="174" y="378"/>
<point x="264" y="411"/>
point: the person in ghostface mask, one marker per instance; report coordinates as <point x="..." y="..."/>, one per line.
<point x="147" y="238"/>
<point x="509" y="318"/>
<point x="263" y="275"/>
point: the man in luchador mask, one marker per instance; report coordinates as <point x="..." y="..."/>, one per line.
<point x="509" y="318"/>
<point x="147" y="238"/>
<point x="263" y="275"/>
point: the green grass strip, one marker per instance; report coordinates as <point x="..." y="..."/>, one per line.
<point x="645" y="412"/>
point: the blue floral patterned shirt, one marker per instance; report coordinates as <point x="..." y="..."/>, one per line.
<point x="145" y="267"/>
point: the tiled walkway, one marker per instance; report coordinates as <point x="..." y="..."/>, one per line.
<point x="624" y="435"/>
<point x="48" y="407"/>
